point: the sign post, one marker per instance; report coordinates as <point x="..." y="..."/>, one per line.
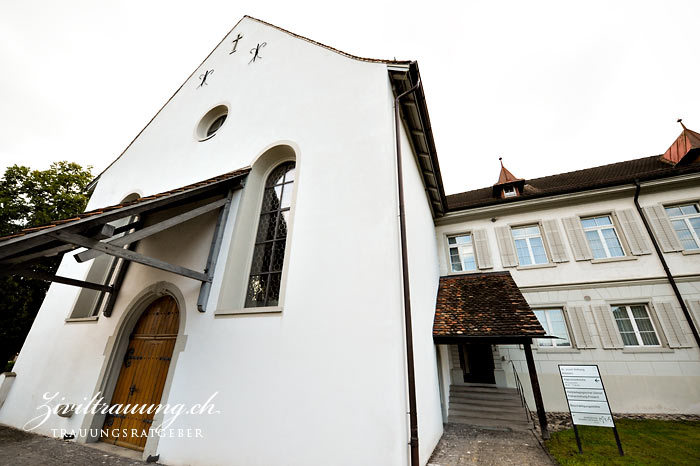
<point x="587" y="400"/>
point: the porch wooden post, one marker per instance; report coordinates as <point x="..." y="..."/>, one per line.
<point x="536" y="389"/>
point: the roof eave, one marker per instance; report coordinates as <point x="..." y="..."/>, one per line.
<point x="416" y="120"/>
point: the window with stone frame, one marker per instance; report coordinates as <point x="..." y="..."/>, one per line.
<point x="602" y="237"/>
<point x="635" y="325"/>
<point x="271" y="239"/>
<point x="529" y="245"/>
<point x="554" y="323"/>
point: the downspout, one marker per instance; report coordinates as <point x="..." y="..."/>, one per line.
<point x="660" y="255"/>
<point x="413" y="417"/>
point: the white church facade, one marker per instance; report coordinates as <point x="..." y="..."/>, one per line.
<point x="276" y="245"/>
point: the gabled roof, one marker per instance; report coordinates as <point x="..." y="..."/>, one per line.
<point x="483" y="305"/>
<point x="614" y="174"/>
<point x="354" y="57"/>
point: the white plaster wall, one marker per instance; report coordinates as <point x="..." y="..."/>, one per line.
<point x="67" y="357"/>
<point x="323" y="382"/>
<point x="666" y="380"/>
<point x="424" y="277"/>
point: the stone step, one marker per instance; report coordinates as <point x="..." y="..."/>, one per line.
<point x="485" y="396"/>
<point x="481" y="389"/>
<point x="488" y="423"/>
<point x="507" y="403"/>
<point x="502" y="415"/>
<point x="488" y="408"/>
<point x="476" y="385"/>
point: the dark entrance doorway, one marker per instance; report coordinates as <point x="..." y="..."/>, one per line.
<point x="476" y="361"/>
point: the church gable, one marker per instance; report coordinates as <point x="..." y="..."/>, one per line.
<point x="260" y="86"/>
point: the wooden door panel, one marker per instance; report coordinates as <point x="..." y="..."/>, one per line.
<point x="143" y="372"/>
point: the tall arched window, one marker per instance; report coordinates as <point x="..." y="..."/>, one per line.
<point x="271" y="239"/>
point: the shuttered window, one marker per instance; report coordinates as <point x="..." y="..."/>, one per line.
<point x="482" y="249"/>
<point x="609" y="336"/>
<point x="686" y="223"/>
<point x="635" y="326"/>
<point x="462" y="257"/>
<point x="671" y="324"/>
<point x="663" y="230"/>
<point x="505" y="247"/>
<point x="577" y="239"/>
<point x="637" y="238"/>
<point x="602" y="237"/>
<point x="579" y="325"/>
<point x="554" y="241"/>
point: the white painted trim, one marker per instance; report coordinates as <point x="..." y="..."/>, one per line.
<point x="610" y="283"/>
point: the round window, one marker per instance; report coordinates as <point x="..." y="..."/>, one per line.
<point x="211" y="122"/>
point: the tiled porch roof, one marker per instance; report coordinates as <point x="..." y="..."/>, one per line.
<point x="483" y="305"/>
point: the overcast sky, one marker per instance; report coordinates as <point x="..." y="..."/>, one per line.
<point x="550" y="86"/>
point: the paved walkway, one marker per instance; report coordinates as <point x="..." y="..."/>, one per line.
<point x="19" y="448"/>
<point x="462" y="445"/>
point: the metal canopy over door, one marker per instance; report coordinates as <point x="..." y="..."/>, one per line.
<point x="477" y="363"/>
<point x="143" y="372"/>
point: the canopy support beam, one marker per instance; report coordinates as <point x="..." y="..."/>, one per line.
<point x="128" y="255"/>
<point x="214" y="251"/>
<point x="152" y="229"/>
<point x="536" y="392"/>
<point x="47" y="277"/>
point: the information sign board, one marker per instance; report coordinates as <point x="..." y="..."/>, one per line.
<point x="585" y="395"/>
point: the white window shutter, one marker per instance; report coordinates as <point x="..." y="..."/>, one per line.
<point x="554" y="240"/>
<point x="671" y="324"/>
<point x="481" y="246"/>
<point x="607" y="329"/>
<point x="636" y="236"/>
<point x="580" y="327"/>
<point x="577" y="239"/>
<point x="505" y="247"/>
<point x="694" y="306"/>
<point x="663" y="230"/>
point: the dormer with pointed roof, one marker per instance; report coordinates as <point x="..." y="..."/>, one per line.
<point x="508" y="185"/>
<point x="684" y="149"/>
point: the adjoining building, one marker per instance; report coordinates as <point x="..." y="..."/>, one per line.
<point x="608" y="258"/>
<point x="321" y="291"/>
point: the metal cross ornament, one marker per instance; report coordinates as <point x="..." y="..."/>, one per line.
<point x="235" y="43"/>
<point x="255" y="51"/>
<point x="203" y="77"/>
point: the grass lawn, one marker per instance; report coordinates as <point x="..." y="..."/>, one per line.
<point x="644" y="442"/>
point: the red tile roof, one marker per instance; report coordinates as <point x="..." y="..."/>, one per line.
<point x="483" y="305"/>
<point x="614" y="174"/>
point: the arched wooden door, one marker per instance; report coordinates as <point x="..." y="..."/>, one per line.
<point x="143" y="372"/>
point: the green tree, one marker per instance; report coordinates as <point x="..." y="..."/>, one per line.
<point x="31" y="198"/>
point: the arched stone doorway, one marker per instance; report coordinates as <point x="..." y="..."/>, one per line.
<point x="143" y="373"/>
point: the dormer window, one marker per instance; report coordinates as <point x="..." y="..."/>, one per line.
<point x="508" y="185"/>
